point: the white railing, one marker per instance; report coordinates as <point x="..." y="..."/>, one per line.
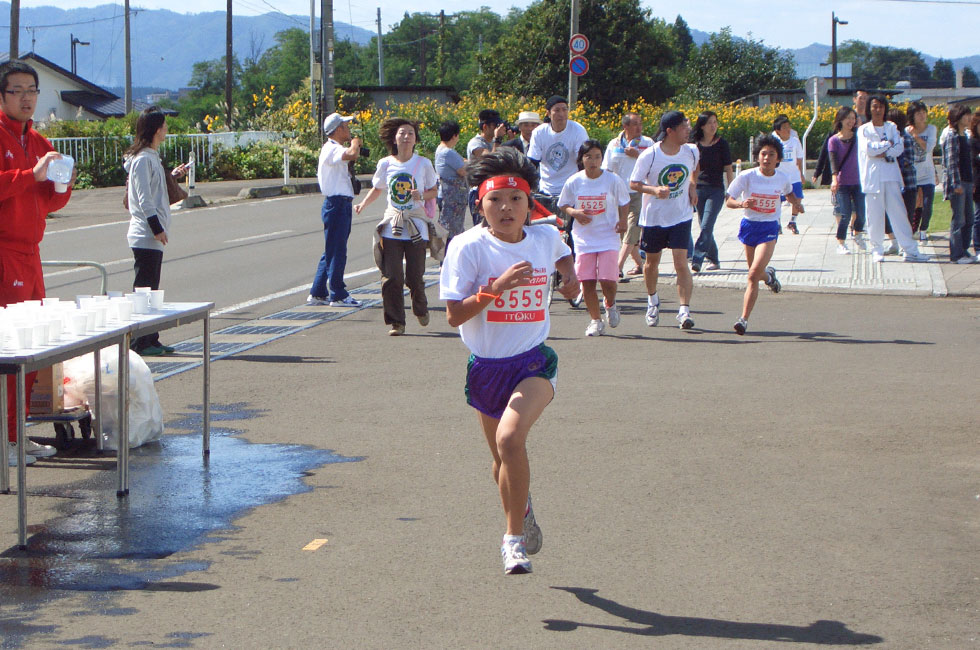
<point x="204" y="145"/>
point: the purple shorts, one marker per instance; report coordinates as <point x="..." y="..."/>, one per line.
<point x="491" y="382"/>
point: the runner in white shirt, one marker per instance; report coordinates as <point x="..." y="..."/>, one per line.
<point x="757" y="192"/>
<point x="792" y="164"/>
<point x="621" y="154"/>
<point x="598" y="201"/>
<point x="554" y="145"/>
<point x="666" y="173"/>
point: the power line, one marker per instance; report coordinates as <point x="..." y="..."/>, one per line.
<point x="83" y="22"/>
<point x="937" y="2"/>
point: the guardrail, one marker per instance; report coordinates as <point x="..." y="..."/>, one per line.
<point x="76" y="263"/>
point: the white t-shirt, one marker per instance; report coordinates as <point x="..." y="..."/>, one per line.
<point x="600" y="198"/>
<point x="925" y="168"/>
<point x="557" y="153"/>
<point x="792" y="151"/>
<point x="616" y="160"/>
<point x="331" y="171"/>
<point x="398" y="179"/>
<point x="766" y="190"/>
<point x="518" y="320"/>
<point x="654" y="167"/>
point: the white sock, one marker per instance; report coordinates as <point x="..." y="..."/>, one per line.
<point x="653" y="299"/>
<point x="512" y="539"/>
<point x="684" y="310"/>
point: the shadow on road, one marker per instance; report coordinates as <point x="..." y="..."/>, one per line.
<point x="654" y="624"/>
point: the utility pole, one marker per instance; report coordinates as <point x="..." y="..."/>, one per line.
<point x="326" y="68"/>
<point x="422" y="35"/>
<point x="441" y="53"/>
<point x="381" y="58"/>
<point x="74" y="56"/>
<point x="228" y="71"/>
<point x="312" y="51"/>
<point x="572" y="79"/>
<point x="128" y="91"/>
<point x="834" y="22"/>
<point x="14" y="51"/>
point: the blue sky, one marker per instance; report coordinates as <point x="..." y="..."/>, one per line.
<point x="930" y="27"/>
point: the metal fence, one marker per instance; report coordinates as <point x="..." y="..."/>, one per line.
<point x="177" y="147"/>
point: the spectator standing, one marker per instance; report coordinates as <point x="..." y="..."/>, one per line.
<point x="553" y="147"/>
<point x="489" y="137"/>
<point x="958" y="184"/>
<point x="716" y="174"/>
<point x="845" y="182"/>
<point x="409" y="180"/>
<point x="149" y="211"/>
<point x="336" y="213"/>
<point x="925" y="138"/>
<point x="26" y="198"/>
<point x="620" y="158"/>
<point x="451" y="169"/>
<point x="975" y="158"/>
<point x="527" y="121"/>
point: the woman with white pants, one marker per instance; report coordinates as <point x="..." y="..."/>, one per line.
<point x="879" y="146"/>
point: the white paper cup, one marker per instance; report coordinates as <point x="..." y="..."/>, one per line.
<point x="55" y="326"/>
<point x="48" y="302"/>
<point x="61" y="188"/>
<point x="156" y="298"/>
<point x="100" y="314"/>
<point x="125" y="308"/>
<point x="78" y="323"/>
<point x="141" y="302"/>
<point x="78" y="299"/>
<point x="25" y="336"/>
<point x="115" y="294"/>
<point x="40" y="334"/>
<point x="142" y="289"/>
<point x="34" y="304"/>
<point x="89" y="320"/>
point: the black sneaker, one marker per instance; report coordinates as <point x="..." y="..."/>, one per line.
<point x="791" y="226"/>
<point x="771" y="280"/>
<point x="152" y="351"/>
<point x="740" y="326"/>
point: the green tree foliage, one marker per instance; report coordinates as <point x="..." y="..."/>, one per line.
<point x="631" y="54"/>
<point x="726" y="68"/>
<point x="682" y="34"/>
<point x="875" y="66"/>
<point x="209" y="76"/>
<point x="970" y="79"/>
<point x="944" y="73"/>
<point x="281" y="68"/>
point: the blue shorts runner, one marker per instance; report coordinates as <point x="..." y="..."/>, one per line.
<point x="656" y="238"/>
<point x="491" y="382"/>
<point x="753" y="233"/>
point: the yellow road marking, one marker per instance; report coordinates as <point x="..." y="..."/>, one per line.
<point x="314" y="545"/>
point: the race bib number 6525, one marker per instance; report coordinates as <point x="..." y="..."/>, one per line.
<point x="524" y="304"/>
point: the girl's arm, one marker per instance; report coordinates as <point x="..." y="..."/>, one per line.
<point x="569" y="286"/>
<point x="460" y="311"/>
<point x="368" y="200"/>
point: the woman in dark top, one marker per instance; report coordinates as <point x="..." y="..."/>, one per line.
<point x="845" y="181"/>
<point x="715" y="175"/>
<point x="975" y="160"/>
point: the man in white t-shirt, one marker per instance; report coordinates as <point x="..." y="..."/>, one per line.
<point x="554" y="146"/>
<point x="792" y="162"/>
<point x="620" y="158"/>
<point x="666" y="173"/>
<point x="338" y="195"/>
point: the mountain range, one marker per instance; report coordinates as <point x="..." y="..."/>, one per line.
<point x="166" y="44"/>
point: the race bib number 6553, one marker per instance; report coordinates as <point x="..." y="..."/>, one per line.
<point x="524" y="304"/>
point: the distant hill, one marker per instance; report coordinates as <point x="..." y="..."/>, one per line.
<point x="165" y="44"/>
<point x="819" y="53"/>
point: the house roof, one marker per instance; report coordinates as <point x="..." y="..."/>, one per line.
<point x="65" y="73"/>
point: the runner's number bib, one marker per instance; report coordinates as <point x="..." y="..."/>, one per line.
<point x="524" y="304"/>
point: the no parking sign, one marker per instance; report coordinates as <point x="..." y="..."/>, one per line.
<point x="579" y="65"/>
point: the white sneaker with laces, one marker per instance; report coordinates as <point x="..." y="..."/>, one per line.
<point x="916" y="256"/>
<point x="653" y="314"/>
<point x="38" y="450"/>
<point x="965" y="260"/>
<point x="923" y="235"/>
<point x="612" y="315"/>
<point x="877" y="257"/>
<point x="684" y="320"/>
<point x="316" y="302"/>
<point x="711" y="266"/>
<point x="892" y="248"/>
<point x="349" y="301"/>
<point x="12" y="457"/>
<point x="514" y="554"/>
<point x="596" y="328"/>
<point x="842" y="249"/>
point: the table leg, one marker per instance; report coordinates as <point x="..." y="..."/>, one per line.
<point x="122" y="455"/>
<point x="97" y="414"/>
<point x="206" y="369"/>
<point x="21" y="462"/>
<point x="4" y="449"/>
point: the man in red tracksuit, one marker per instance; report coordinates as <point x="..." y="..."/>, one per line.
<point x="26" y="198"/>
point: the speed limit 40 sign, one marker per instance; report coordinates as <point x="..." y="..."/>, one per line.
<point x="578" y="44"/>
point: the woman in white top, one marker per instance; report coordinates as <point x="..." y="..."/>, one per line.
<point x="879" y="146"/>
<point x="921" y="196"/>
<point x="409" y="180"/>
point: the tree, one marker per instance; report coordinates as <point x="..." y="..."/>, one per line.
<point x="970" y="79"/>
<point x="874" y="66"/>
<point x="631" y="54"/>
<point x="726" y="68"/>
<point x="209" y="76"/>
<point x="944" y="72"/>
<point x="682" y="34"/>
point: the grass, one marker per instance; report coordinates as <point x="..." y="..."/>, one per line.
<point x="941" y="213"/>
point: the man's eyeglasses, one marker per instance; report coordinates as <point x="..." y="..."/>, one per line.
<point x="28" y="92"/>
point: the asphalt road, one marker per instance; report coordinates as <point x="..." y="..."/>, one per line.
<point x="811" y="483"/>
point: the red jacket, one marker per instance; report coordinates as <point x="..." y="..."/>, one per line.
<point x="24" y="203"/>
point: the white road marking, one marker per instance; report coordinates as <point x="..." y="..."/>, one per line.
<point x="268" y="234"/>
<point x="53" y="274"/>
<point x="284" y="293"/>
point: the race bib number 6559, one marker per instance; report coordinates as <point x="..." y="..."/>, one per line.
<point x="524" y="304"/>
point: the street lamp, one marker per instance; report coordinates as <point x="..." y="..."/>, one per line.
<point x="833" y="47"/>
<point x="74" y="58"/>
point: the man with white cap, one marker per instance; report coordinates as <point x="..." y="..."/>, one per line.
<point x="338" y="195"/>
<point x="527" y="121"/>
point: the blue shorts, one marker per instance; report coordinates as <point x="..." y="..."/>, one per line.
<point x="491" y="382"/>
<point x="797" y="192"/>
<point x="753" y="233"/>
<point x="656" y="238"/>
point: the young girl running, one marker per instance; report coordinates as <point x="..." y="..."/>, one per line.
<point x="757" y="191"/>
<point x="599" y="202"/>
<point x="495" y="283"/>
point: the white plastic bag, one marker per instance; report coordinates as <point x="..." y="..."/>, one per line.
<point x="145" y="413"/>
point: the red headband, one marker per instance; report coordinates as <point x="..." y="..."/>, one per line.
<point x="502" y="183"/>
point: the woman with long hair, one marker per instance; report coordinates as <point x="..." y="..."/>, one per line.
<point x="924" y="137"/>
<point x="149" y="210"/>
<point x="409" y="180"/>
<point x="845" y="182"/>
<point x="716" y="174"/>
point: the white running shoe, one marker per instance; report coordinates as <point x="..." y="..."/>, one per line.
<point x="923" y="235"/>
<point x="596" y="328"/>
<point x="771" y="281"/>
<point x="12" y="456"/>
<point x="612" y="315"/>
<point x="515" y="559"/>
<point x="532" y="532"/>
<point x="877" y="257"/>
<point x="916" y="256"/>
<point x="842" y="249"/>
<point x="684" y="320"/>
<point x="741" y="325"/>
<point x="653" y="314"/>
<point x="892" y="248"/>
<point x="316" y="302"/>
<point x="38" y="450"/>
<point x="966" y="259"/>
<point x="349" y="301"/>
